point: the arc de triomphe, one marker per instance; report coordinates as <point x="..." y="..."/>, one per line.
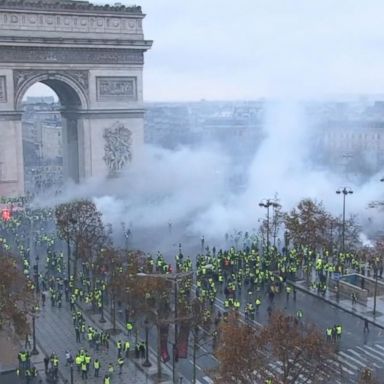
<point x="92" y="56"/>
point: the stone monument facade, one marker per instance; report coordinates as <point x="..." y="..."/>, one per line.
<point x="92" y="56"/>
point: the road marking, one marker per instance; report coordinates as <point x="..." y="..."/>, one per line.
<point x="208" y="379"/>
<point x="376" y="351"/>
<point x="345" y="361"/>
<point x="357" y="354"/>
<point x="200" y="369"/>
<point x="371" y="355"/>
<point x="338" y="366"/>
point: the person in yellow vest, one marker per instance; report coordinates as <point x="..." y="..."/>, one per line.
<point x="120" y="362"/>
<point x="129" y="327"/>
<point x="339" y="331"/>
<point x="119" y="346"/>
<point x="257" y="303"/>
<point x="107" y="380"/>
<point x="96" y="365"/>
<point x="110" y="369"/>
<point x="78" y="361"/>
<point x="84" y="371"/>
<point x="127" y="346"/>
<point x="288" y="290"/>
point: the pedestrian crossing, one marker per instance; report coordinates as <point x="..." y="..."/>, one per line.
<point x="345" y="366"/>
<point x="350" y="362"/>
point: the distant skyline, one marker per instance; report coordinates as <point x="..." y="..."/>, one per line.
<point x="250" y="49"/>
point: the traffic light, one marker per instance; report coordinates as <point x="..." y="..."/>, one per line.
<point x="6" y="214"/>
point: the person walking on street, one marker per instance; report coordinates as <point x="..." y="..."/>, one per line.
<point x="288" y="290"/>
<point x="77" y="330"/>
<point x="334" y="333"/>
<point x="46" y="363"/>
<point x="119" y="346"/>
<point x="366" y="326"/>
<point x="127" y="346"/>
<point x="328" y="332"/>
<point x="339" y="331"/>
<point x="96" y="365"/>
<point x="27" y="342"/>
<point x="299" y="315"/>
<point x="84" y="371"/>
<point x="120" y="362"/>
<point x="110" y="369"/>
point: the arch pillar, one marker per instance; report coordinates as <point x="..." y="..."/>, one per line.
<point x="11" y="154"/>
<point x="97" y="127"/>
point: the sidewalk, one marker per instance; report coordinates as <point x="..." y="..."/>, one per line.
<point x="151" y="371"/>
<point x="364" y="312"/>
<point x="55" y="334"/>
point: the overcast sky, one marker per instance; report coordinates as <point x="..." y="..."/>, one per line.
<point x="248" y="49"/>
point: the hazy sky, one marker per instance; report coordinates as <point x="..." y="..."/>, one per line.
<point x="247" y="49"/>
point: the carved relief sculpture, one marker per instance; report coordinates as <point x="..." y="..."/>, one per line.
<point x="9" y="54"/>
<point x="116" y="88"/>
<point x="117" y="147"/>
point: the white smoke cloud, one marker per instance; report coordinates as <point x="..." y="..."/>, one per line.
<point x="305" y="50"/>
<point x="190" y="186"/>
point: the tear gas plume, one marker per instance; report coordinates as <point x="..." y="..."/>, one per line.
<point x="294" y="57"/>
<point x="189" y="187"/>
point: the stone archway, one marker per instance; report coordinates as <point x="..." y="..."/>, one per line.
<point x="92" y="57"/>
<point x="71" y="87"/>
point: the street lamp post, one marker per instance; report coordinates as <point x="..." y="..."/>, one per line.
<point x="68" y="260"/>
<point x="345" y="191"/>
<point x="73" y="222"/>
<point x="376" y="275"/>
<point x="146" y="363"/>
<point x="36" y="275"/>
<point x="174" y="349"/>
<point x="102" y="319"/>
<point x="34" y="349"/>
<point x="71" y="373"/>
<point x="266" y="203"/>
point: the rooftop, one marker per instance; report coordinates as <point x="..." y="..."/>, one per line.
<point x="69" y="5"/>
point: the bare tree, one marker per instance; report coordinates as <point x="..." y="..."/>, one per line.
<point x="285" y="351"/>
<point x="16" y="295"/>
<point x="80" y="222"/>
<point x="239" y="354"/>
<point x="307" y="225"/>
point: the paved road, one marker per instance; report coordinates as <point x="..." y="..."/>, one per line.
<point x="357" y="350"/>
<point x="55" y="334"/>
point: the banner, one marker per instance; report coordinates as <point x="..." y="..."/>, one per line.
<point x="164" y="329"/>
<point x="182" y="340"/>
